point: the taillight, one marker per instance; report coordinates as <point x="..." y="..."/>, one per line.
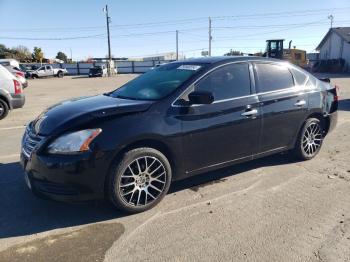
<point x="336" y="95"/>
<point x="18" y="87"/>
<point x="20" y="74"/>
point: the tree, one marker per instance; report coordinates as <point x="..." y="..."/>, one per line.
<point x="22" y="53"/>
<point x="233" y="52"/>
<point x="62" y="56"/>
<point x="6" y="52"/>
<point x="38" y="54"/>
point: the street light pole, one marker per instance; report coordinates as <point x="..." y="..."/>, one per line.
<point x="210" y="37"/>
<point x="177" y="45"/>
<point x="109" y="42"/>
<point x="331" y="17"/>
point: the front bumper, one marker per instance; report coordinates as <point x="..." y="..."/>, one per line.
<point x="66" y="178"/>
<point x="95" y="75"/>
<point x="17" y="101"/>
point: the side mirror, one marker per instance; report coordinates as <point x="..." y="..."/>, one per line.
<point x="201" y="98"/>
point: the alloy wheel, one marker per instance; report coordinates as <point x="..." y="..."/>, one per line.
<point x="312" y="139"/>
<point x="143" y="181"/>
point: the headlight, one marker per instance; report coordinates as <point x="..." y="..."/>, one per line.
<point x="74" y="142"/>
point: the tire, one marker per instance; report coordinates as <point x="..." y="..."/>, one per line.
<point x="60" y="74"/>
<point x="35" y="76"/>
<point x="4" y="109"/>
<point x="310" y="139"/>
<point x="134" y="188"/>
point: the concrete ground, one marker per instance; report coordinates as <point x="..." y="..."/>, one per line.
<point x="272" y="209"/>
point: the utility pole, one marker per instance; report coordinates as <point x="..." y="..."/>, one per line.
<point x="109" y="41"/>
<point x="210" y="37"/>
<point x="71" y="56"/>
<point x="331" y="17"/>
<point x="177" y="45"/>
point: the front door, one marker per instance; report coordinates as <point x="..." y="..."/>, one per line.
<point x="226" y="130"/>
<point x="41" y="71"/>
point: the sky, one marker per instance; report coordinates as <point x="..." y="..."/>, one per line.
<point x="147" y="27"/>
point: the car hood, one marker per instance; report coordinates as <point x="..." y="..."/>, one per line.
<point x="73" y="112"/>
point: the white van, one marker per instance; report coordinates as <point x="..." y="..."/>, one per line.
<point x="11" y="92"/>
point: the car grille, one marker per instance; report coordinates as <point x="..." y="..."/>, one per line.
<point x="30" y="141"/>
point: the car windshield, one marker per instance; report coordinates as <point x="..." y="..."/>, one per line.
<point x="157" y="83"/>
<point x="95" y="70"/>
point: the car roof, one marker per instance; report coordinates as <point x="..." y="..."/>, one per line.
<point x="220" y="59"/>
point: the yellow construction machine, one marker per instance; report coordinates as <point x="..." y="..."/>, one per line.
<point x="274" y="49"/>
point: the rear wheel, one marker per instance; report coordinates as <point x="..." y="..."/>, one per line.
<point x="310" y="139"/>
<point x="140" y="180"/>
<point x="4" y="109"/>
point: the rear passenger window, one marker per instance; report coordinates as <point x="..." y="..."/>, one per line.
<point x="273" y="77"/>
<point x="299" y="76"/>
<point x="227" y="82"/>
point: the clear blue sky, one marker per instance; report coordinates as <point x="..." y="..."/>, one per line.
<point x="146" y="27"/>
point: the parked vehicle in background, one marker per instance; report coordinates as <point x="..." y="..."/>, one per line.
<point x="47" y="71"/>
<point x="173" y="122"/>
<point x="11" y="92"/>
<point x="28" y="69"/>
<point x="10" y="62"/>
<point x="19" y="74"/>
<point x="98" y="71"/>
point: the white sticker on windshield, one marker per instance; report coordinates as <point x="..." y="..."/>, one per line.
<point x="189" y="67"/>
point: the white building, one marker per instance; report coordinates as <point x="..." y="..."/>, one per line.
<point x="170" y="56"/>
<point x="335" y="45"/>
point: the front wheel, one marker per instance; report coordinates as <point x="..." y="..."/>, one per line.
<point x="139" y="180"/>
<point x="310" y="139"/>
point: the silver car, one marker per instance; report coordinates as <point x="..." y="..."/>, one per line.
<point x="11" y="92"/>
<point x="17" y="73"/>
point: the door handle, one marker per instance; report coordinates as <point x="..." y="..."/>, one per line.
<point x="300" y="103"/>
<point x="250" y="112"/>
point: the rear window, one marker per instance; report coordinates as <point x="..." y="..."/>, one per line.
<point x="5" y="63"/>
<point x="272" y="77"/>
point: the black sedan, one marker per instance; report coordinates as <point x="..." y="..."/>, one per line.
<point x="178" y="120"/>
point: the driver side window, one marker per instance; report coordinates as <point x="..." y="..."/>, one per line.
<point x="229" y="81"/>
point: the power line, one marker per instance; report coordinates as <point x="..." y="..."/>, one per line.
<point x="51" y="39"/>
<point x="191" y="20"/>
<point x="187" y="31"/>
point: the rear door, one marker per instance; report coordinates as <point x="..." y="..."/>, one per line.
<point x="226" y="130"/>
<point x="283" y="105"/>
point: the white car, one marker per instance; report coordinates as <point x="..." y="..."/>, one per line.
<point x="47" y="70"/>
<point x="17" y="73"/>
<point x="9" y="62"/>
<point x="11" y="92"/>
